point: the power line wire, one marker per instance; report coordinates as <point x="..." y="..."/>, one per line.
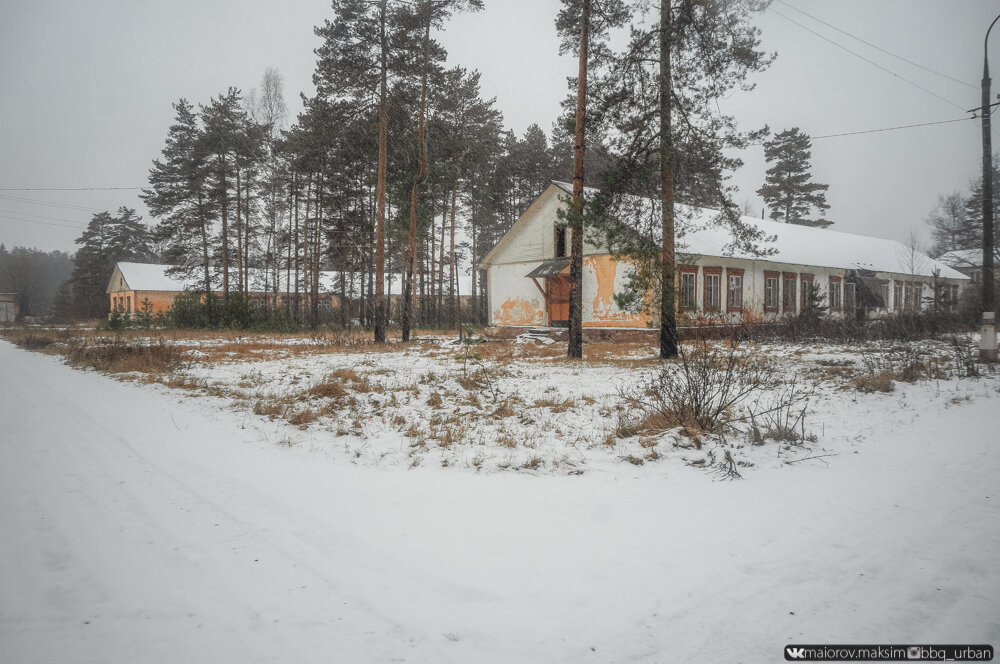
<point x="875" y="131"/>
<point x="44" y="223"/>
<point x="42" y="216"/>
<point x="876" y="46"/>
<point x="70" y="188"/>
<point x="35" y="201"/>
<point x="871" y="62"/>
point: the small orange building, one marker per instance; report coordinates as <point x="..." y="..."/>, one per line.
<point x="133" y="283"/>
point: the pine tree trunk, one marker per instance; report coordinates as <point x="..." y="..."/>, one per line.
<point x="383" y="124"/>
<point x="444" y="225"/>
<point x="224" y="191"/>
<point x="668" y="316"/>
<point x="409" y="283"/>
<point x="305" y="247"/>
<point x="239" y="232"/>
<point x="317" y="239"/>
<point x="575" y="347"/>
<point x="454" y="303"/>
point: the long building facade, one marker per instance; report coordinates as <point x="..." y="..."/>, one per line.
<point x="527" y="273"/>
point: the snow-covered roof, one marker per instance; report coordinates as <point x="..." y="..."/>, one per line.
<point x="963" y="258"/>
<point x="150" y="277"/>
<point x="804" y="245"/>
<point x="154" y="277"/>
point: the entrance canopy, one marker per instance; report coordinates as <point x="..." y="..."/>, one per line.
<point x="551" y="268"/>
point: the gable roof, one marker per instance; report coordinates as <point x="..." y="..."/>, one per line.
<point x="793" y="244"/>
<point x="154" y="277"/>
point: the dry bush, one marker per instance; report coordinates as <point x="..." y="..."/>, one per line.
<point x="120" y="356"/>
<point x="704" y="390"/>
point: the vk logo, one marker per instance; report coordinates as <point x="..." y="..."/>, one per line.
<point x="795" y="653"/>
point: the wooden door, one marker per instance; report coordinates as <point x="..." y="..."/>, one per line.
<point x="558" y="300"/>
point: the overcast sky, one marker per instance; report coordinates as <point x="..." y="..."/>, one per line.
<point x="86" y="91"/>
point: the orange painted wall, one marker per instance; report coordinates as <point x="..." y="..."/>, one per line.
<point x="603" y="269"/>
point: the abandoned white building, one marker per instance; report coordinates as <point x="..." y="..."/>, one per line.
<point x="527" y="273"/>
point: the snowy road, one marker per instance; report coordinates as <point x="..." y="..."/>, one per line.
<point x="138" y="525"/>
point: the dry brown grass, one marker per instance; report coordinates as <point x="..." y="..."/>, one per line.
<point x="119" y="356"/>
<point x="303" y="417"/>
<point x="881" y="382"/>
<point x="329" y="390"/>
<point x="555" y="406"/>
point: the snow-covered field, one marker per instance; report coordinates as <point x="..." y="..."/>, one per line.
<point x="414" y="506"/>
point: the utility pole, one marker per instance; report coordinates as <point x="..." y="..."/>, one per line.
<point x="988" y="338"/>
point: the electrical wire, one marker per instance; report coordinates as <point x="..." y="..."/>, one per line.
<point x="42" y="216"/>
<point x="875" y="131"/>
<point x="70" y="188"/>
<point x="871" y="62"/>
<point x="35" y="201"/>
<point x="44" y="223"/>
<point x="876" y="46"/>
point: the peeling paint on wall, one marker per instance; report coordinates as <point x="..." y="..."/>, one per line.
<point x="603" y="277"/>
<point x="519" y="311"/>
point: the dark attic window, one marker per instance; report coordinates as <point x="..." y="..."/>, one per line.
<point x="560" y="242"/>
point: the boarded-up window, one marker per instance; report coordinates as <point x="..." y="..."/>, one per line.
<point x="849" y="299"/>
<point x="884" y="291"/>
<point x="561" y="242"/>
<point x="897" y="295"/>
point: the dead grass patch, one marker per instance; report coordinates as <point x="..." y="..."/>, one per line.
<point x="119" y="356"/>
<point x="555" y="406"/>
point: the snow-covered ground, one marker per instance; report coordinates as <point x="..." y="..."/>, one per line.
<point x="142" y="523"/>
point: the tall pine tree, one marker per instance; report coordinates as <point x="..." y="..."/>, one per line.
<point x="788" y="189"/>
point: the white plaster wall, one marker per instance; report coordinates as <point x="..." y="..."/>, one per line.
<point x="513" y="298"/>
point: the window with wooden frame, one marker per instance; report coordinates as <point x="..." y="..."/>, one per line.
<point x="849" y="296"/>
<point x="734" y="292"/>
<point x="953" y="302"/>
<point x="897" y="295"/>
<point x="835" y="301"/>
<point x="771" y="290"/>
<point x="713" y="282"/>
<point x="788" y="292"/>
<point x="689" y="281"/>
<point x="883" y="290"/>
<point x="128" y="304"/>
<point x="560" y="242"/>
<point x="806" y="281"/>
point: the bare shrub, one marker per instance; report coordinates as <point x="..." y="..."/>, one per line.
<point x="704" y="390"/>
<point x="963" y="359"/>
<point x="781" y="414"/>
